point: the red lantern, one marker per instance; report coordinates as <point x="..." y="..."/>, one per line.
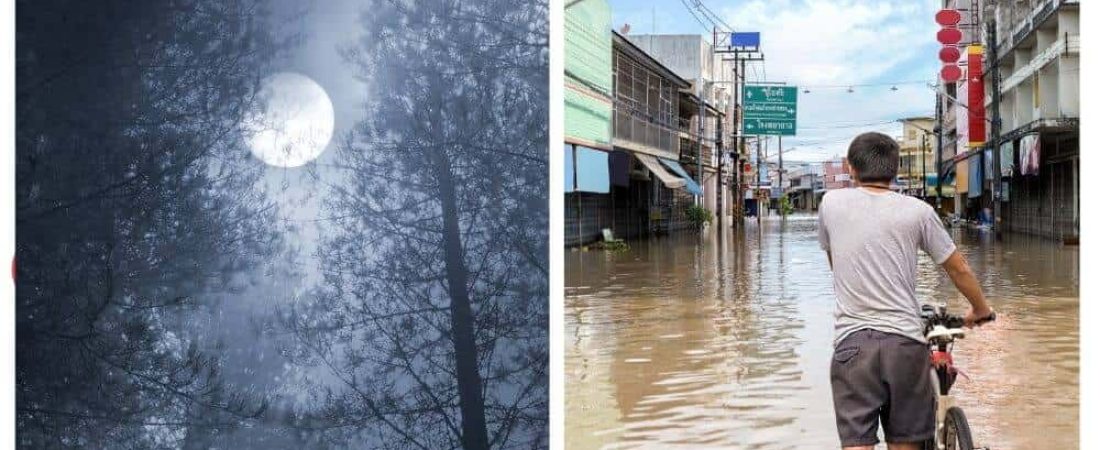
<point x="950" y="55"/>
<point x="948" y="17"/>
<point x="951" y="73"/>
<point x="949" y="35"/>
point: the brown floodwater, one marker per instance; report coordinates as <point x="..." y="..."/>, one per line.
<point x="707" y="341"/>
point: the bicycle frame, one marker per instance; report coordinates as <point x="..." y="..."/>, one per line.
<point x="944" y="373"/>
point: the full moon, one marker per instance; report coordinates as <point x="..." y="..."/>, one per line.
<point x="294" y="122"/>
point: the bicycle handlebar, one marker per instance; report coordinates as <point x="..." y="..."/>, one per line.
<point x="953" y="321"/>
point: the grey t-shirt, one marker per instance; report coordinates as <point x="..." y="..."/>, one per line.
<point x="873" y="238"/>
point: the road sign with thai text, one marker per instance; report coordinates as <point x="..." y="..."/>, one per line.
<point x="771" y="110"/>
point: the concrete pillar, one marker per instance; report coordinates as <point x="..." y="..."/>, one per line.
<point x="1069" y="21"/>
<point x="1008" y="108"/>
<point x="1024" y="111"/>
<point x="1069" y="65"/>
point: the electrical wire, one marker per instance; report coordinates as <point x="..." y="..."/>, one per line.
<point x="713" y="17"/>
<point x="696" y="16"/>
<point x="855" y="85"/>
<point x="845" y="126"/>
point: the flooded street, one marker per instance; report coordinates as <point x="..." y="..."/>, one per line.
<point x="724" y="341"/>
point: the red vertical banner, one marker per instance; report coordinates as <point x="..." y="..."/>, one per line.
<point x="975" y="102"/>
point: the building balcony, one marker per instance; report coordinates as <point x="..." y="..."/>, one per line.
<point x="1029" y="24"/>
<point x="689" y="149"/>
<point x="1070" y="44"/>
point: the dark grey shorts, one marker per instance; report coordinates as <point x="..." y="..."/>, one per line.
<point x="877" y="375"/>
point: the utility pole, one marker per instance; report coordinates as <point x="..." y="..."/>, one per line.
<point x="699" y="137"/>
<point x="995" y="135"/>
<point x="923" y="163"/>
<point x="722" y="44"/>
<point x="813" y="188"/>
<point x="739" y="129"/>
<point x="909" y="181"/>
<point x="759" y="162"/>
<point x="719" y="205"/>
<point x="939" y="150"/>
<point x="782" y="193"/>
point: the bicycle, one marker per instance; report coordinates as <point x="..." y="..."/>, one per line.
<point x="941" y="330"/>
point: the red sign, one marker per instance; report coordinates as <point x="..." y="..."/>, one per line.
<point x="948" y="17"/>
<point x="975" y="102"/>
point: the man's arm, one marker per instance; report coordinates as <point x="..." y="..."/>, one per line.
<point x="967" y="283"/>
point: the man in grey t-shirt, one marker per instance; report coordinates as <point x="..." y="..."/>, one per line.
<point x="880" y="367"/>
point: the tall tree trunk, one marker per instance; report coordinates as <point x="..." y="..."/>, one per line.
<point x="471" y="403"/>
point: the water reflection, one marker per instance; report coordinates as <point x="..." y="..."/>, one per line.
<point x="723" y="341"/>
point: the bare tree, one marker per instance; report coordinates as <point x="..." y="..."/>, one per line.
<point x="432" y="322"/>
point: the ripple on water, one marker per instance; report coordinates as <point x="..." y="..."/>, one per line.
<point x="688" y="342"/>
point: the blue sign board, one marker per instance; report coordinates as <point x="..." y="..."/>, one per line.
<point x="749" y="39"/>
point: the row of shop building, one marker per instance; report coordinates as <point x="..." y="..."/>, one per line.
<point x="1036" y="59"/>
<point x="644" y="120"/>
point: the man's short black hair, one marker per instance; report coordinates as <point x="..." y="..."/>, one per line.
<point x="874" y="156"/>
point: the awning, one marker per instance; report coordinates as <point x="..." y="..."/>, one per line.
<point x="650" y="162"/>
<point x="692" y="186"/>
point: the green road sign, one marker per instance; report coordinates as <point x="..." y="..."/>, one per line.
<point x="770" y="110"/>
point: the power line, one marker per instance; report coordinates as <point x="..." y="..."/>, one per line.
<point x="714" y="18"/>
<point x="851" y="125"/>
<point x="853" y="122"/>
<point x="855" y="85"/>
<point x="696" y="16"/>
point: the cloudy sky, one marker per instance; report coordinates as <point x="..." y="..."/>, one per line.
<point x="823" y="46"/>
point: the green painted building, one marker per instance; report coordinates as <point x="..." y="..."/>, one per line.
<point x="588" y="86"/>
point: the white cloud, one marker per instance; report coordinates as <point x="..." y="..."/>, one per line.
<point x="828" y="42"/>
<point x="842" y="42"/>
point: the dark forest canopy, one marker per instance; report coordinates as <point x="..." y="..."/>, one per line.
<point x="433" y="313"/>
<point x="145" y="236"/>
<point x="137" y="214"/>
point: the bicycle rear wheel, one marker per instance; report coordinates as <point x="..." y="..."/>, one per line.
<point x="956" y="431"/>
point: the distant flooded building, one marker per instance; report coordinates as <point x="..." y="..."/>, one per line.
<point x="838" y="174"/>
<point x="807" y="185"/>
<point x="917" y="157"/>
